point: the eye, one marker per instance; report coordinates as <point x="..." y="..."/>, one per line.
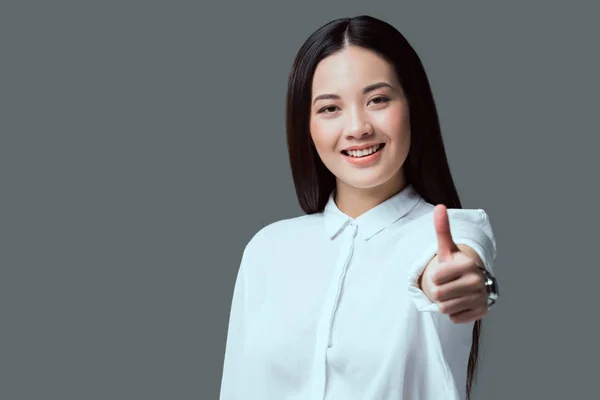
<point x="327" y="110"/>
<point x="380" y="100"/>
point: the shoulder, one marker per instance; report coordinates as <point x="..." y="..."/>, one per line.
<point x="283" y="233"/>
<point x="287" y="228"/>
<point x="471" y="223"/>
<point x="470" y="226"/>
<point x="475" y="217"/>
<point x="474" y="221"/>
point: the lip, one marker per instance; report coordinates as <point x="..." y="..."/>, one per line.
<point x="366" y="160"/>
<point x="362" y="147"/>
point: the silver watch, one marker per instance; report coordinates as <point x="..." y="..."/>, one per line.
<point x="491" y="285"/>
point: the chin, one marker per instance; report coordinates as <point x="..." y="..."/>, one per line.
<point x="374" y="178"/>
<point x="367" y="182"/>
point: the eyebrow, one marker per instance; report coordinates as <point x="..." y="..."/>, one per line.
<point x="366" y="90"/>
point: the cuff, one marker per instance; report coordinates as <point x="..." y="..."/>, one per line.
<point x="472" y="228"/>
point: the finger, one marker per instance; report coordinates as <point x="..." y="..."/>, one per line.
<point x="468" y="316"/>
<point x="468" y="284"/>
<point x="472" y="301"/>
<point x="446" y="246"/>
<point x="451" y="270"/>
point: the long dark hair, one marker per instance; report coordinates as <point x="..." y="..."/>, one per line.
<point x="426" y="167"/>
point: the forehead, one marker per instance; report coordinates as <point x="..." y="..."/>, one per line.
<point x="352" y="68"/>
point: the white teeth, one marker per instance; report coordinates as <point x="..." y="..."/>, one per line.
<point x="363" y="152"/>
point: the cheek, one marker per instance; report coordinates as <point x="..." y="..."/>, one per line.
<point x="395" y="123"/>
<point x="323" y="134"/>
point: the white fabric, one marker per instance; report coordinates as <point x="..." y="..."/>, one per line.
<point x="328" y="307"/>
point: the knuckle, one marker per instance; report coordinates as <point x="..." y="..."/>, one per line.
<point x="478" y="297"/>
<point x="475" y="279"/>
<point x="435" y="277"/>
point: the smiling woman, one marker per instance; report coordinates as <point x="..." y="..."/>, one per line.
<point x="378" y="291"/>
<point x="363" y="108"/>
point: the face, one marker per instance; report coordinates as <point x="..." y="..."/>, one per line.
<point x="359" y="120"/>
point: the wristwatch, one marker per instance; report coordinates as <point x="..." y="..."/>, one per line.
<point x="491" y="285"/>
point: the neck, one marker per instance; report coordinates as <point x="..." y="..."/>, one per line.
<point x="354" y="201"/>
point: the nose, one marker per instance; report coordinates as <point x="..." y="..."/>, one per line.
<point x="358" y="126"/>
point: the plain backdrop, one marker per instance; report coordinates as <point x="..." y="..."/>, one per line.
<point x="143" y="144"/>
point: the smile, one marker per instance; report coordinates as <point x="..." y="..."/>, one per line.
<point x="364" y="157"/>
<point x="363" y="152"/>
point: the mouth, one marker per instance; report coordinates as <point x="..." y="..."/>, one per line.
<point x="363" y="152"/>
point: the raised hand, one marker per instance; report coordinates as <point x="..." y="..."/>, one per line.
<point x="453" y="279"/>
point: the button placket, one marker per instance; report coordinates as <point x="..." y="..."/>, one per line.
<point x="327" y="319"/>
<point x="342" y="278"/>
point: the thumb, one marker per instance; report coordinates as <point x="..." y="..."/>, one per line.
<point x="446" y="245"/>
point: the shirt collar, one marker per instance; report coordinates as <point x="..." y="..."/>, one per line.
<point x="374" y="220"/>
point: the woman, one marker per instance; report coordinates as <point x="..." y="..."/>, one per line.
<point x="377" y="292"/>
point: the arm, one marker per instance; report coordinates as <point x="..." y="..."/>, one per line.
<point x="234" y="348"/>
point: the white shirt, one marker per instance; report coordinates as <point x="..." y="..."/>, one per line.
<point x="326" y="307"/>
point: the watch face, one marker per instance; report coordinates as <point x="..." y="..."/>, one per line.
<point x="493" y="288"/>
<point x="491" y="285"/>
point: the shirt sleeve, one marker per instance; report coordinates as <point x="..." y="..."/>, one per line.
<point x="235" y="337"/>
<point x="468" y="227"/>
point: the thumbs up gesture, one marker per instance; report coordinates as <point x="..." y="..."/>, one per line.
<point x="453" y="278"/>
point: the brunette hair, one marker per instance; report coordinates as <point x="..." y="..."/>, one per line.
<point x="426" y="167"/>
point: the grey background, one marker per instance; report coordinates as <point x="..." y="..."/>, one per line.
<point x="142" y="145"/>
